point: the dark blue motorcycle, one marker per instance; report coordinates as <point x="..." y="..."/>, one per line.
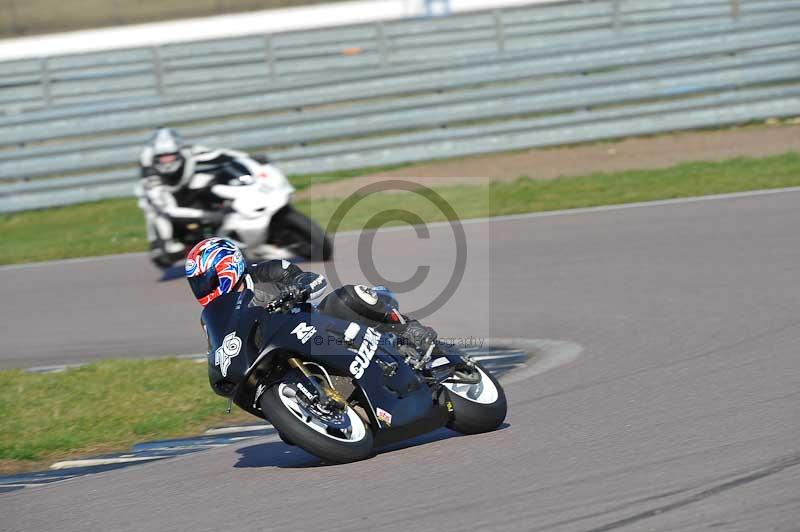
<point x="339" y="388"/>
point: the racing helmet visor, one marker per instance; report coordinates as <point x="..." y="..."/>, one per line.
<point x="204" y="284"/>
<point x="168" y="163"/>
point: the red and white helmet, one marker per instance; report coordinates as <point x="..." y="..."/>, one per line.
<point x="214" y="267"/>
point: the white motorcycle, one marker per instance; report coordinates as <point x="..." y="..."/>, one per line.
<point x="260" y="218"/>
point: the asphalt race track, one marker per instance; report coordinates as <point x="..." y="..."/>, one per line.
<point x="682" y="413"/>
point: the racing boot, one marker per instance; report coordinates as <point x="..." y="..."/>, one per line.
<point x="164" y="253"/>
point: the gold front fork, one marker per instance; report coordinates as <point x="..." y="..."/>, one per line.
<point x="330" y="392"/>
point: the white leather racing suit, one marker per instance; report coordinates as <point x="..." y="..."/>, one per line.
<point x="165" y="205"/>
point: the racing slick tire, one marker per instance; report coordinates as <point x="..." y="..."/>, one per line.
<point x="303" y="236"/>
<point x="477" y="408"/>
<point x="296" y="425"/>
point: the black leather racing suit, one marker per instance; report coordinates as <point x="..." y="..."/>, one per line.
<point x="274" y="277"/>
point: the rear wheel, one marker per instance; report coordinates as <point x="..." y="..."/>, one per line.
<point x="477" y="407"/>
<point x="299" y="234"/>
<point x="335" y="437"/>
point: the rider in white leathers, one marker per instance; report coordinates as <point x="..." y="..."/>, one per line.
<point x="169" y="195"/>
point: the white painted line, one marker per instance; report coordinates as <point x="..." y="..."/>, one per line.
<point x="196" y="445"/>
<point x="234" y="430"/>
<point x="102" y="461"/>
<point x="549" y="354"/>
<point x="76" y="260"/>
<point x="47" y="482"/>
<point x="193" y="357"/>
<point x="52" y="369"/>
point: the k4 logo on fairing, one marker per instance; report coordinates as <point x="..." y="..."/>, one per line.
<point x="365" y="352"/>
<point x="230" y="347"/>
<point x="304" y="332"/>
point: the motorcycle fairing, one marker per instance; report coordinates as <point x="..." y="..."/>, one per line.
<point x="220" y="318"/>
<point x="387" y="381"/>
<point x="255" y="200"/>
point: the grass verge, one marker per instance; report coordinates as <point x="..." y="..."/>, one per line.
<point x="101" y="407"/>
<point x="528" y="195"/>
<point x="116" y="226"/>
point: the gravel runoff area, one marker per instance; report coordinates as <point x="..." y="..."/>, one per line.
<point x="637" y="153"/>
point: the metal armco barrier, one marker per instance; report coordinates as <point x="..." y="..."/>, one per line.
<point x="401" y="91"/>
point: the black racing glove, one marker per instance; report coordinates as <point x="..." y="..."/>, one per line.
<point x="306" y="286"/>
<point x="311" y="284"/>
<point x="295" y="292"/>
<point x="290" y="295"/>
<point x="419" y="335"/>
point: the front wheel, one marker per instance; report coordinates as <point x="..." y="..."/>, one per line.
<point x="299" y="234"/>
<point x="335" y="437"/>
<point x="479" y="407"/>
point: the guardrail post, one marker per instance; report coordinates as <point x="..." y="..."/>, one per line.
<point x="46" y="93"/>
<point x="270" y="51"/>
<point x="380" y="34"/>
<point x="499" y="31"/>
<point x="617" y="15"/>
<point x="158" y="71"/>
<point x="735" y="9"/>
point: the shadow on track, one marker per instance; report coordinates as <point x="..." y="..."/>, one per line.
<point x="275" y="454"/>
<point x="172" y="273"/>
<point x="279" y="454"/>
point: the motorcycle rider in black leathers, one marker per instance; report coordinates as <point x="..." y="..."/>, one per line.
<point x="273" y="278"/>
<point x="175" y="181"/>
<point x="216" y="266"/>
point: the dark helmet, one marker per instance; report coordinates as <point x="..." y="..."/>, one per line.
<point x="163" y="153"/>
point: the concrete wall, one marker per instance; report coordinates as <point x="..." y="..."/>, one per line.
<point x="271" y="21"/>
